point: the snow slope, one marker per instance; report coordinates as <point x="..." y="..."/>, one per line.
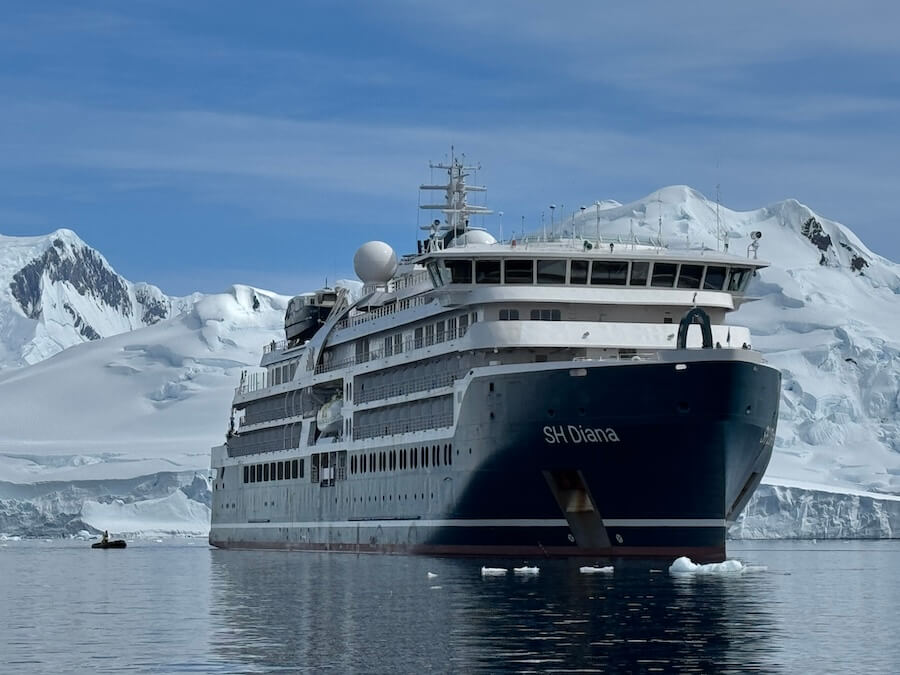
<point x="136" y="403"/>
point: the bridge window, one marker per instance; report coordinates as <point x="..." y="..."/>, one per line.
<point x="246" y="474"/>
<point x="689" y="276"/>
<point x="640" y="272"/>
<point x="609" y="273"/>
<point x="519" y="272"/>
<point x="259" y="473"/>
<point x="578" y="272"/>
<point x="663" y="275"/>
<point x="739" y="278"/>
<point x="487" y="271"/>
<point x="460" y="271"/>
<point x="551" y="271"/>
<point x="265" y="472"/>
<point x="280" y="470"/>
<point x="509" y="315"/>
<point x="715" y="278"/>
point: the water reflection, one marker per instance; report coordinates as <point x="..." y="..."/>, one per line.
<point x="383" y="614"/>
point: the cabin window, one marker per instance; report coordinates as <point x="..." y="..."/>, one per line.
<point x="265" y="472"/>
<point x="429" y="334"/>
<point x="362" y="350"/>
<point x="640" y="271"/>
<point x="663" y="275"/>
<point x="551" y="271"/>
<point x="689" y="276"/>
<point x="252" y="474"/>
<point x="609" y="273"/>
<point x="418" y="338"/>
<point x="546" y="315"/>
<point x="388" y="346"/>
<point x="259" y="473"/>
<point x="715" y="278"/>
<point x="519" y="271"/>
<point x="474" y="317"/>
<point x="280" y="470"/>
<point x="294" y="473"/>
<point x="509" y="315"/>
<point x="272" y="470"/>
<point x="460" y="271"/>
<point x="463" y="324"/>
<point x="246" y="474"/>
<point x="440" y="333"/>
<point x="451" y="328"/>
<point x="276" y="376"/>
<point x="293" y="369"/>
<point x="578" y="272"/>
<point x="738" y="280"/>
<point x="487" y="271"/>
<point x="398" y="343"/>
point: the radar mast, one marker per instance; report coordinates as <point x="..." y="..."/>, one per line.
<point x="456" y="208"/>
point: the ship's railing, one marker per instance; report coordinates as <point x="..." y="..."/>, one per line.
<point x="402" y="426"/>
<point x="386" y="310"/>
<point x="408" y="280"/>
<point x="408" y="345"/>
<point x="251" y="382"/>
<point x="274" y="346"/>
<point x="401" y="388"/>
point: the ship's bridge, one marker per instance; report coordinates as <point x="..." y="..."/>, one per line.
<point x="624" y="266"/>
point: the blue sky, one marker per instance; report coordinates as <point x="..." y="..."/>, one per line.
<point x="199" y="144"/>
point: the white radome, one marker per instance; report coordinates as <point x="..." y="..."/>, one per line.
<point x="375" y="262"/>
<point x="474" y="236"/>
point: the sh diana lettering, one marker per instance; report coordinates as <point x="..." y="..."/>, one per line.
<point x="579" y="434"/>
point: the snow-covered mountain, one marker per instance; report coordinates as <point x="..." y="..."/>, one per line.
<point x="56" y="292"/>
<point x="118" y="430"/>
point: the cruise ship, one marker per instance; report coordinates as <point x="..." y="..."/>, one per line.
<point x="555" y="395"/>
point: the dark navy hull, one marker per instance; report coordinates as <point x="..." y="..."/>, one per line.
<point x="611" y="459"/>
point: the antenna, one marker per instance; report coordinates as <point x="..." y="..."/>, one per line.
<point x="500" y="213"/>
<point x="659" y="214"/>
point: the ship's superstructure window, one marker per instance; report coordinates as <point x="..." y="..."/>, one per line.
<point x="463" y="325"/>
<point x="398" y="343"/>
<point x="578" y="272"/>
<point x="738" y="279"/>
<point x="509" y="315"/>
<point x="546" y="315"/>
<point x="451" y="327"/>
<point x="362" y="350"/>
<point x="519" y="272"/>
<point x="418" y="339"/>
<point x="609" y="273"/>
<point x="715" y="278"/>
<point x="487" y="271"/>
<point x="551" y="271"/>
<point x="440" y="332"/>
<point x="663" y="275"/>
<point x="689" y="276"/>
<point x="460" y="271"/>
<point x="273" y="471"/>
<point x="640" y="272"/>
<point x="388" y="346"/>
<point x="429" y="335"/>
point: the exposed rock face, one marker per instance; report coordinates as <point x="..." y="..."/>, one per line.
<point x="81" y="267"/>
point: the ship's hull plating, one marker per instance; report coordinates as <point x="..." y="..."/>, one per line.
<point x="636" y="458"/>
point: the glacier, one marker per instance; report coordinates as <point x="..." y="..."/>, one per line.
<point x="110" y="426"/>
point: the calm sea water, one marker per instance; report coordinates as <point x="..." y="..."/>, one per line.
<point x="179" y="606"/>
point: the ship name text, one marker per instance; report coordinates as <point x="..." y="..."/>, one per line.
<point x="572" y="434"/>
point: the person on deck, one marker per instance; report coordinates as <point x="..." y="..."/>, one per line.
<point x="105" y="538"/>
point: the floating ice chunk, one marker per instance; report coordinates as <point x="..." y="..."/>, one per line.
<point x="526" y="570"/>
<point x="158" y="541"/>
<point x="431" y="575"/>
<point x="596" y="570"/>
<point x="493" y="571"/>
<point x="685" y="566"/>
<point x="435" y="588"/>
